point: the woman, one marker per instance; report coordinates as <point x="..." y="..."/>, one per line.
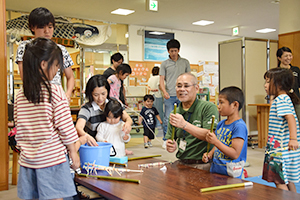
<point x="91" y="114"/>
<point x="153" y="87"/>
<point x="285" y="56"/>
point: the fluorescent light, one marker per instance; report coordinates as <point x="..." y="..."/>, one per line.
<point x="265" y="30"/>
<point x="203" y="22"/>
<point x="121" y="11"/>
<point x="157" y="33"/>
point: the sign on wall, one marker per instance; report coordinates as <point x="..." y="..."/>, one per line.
<point x="155" y="45"/>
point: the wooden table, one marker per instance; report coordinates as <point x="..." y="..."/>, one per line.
<point x="263" y="110"/>
<point x="178" y="182"/>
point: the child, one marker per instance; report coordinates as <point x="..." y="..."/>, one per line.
<point x="42" y="24"/>
<point x="111" y="130"/>
<point x="122" y="72"/>
<point x="282" y="156"/>
<point x="44" y="126"/>
<point x="230" y="142"/>
<point x="149" y="113"/>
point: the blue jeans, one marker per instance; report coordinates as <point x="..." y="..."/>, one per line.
<point x="169" y="106"/>
<point x="158" y="104"/>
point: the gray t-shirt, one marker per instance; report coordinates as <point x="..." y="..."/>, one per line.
<point x="68" y="62"/>
<point x="171" y="70"/>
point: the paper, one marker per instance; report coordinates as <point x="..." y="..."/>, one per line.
<point x="210" y="69"/>
<point x="164" y="169"/>
<point x="200" y="74"/>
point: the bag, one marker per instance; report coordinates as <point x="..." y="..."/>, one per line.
<point x="235" y="169"/>
<point x="12" y="141"/>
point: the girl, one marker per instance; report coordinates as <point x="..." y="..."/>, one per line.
<point x="285" y="57"/>
<point x="111" y="130"/>
<point x="122" y="72"/>
<point x="282" y="156"/>
<point x="92" y="113"/>
<point x="44" y="126"/>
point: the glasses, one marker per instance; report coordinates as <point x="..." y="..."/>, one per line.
<point x="184" y="86"/>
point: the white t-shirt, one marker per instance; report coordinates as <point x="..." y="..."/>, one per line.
<point x="153" y="83"/>
<point x="113" y="134"/>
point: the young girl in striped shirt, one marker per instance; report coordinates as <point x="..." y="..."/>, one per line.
<point x="282" y="156"/>
<point x="45" y="128"/>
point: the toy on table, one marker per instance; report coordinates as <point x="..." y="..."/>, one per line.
<point x="147" y="165"/>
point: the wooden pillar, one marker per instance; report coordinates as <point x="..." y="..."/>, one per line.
<point x="3" y="102"/>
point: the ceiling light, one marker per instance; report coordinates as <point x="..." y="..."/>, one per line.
<point x="157" y="33"/>
<point x="265" y="30"/>
<point x="203" y="22"/>
<point x="121" y="11"/>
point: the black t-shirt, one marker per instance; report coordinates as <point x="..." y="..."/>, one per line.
<point x="296" y="73"/>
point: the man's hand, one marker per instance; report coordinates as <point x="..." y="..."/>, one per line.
<point x="171" y="145"/>
<point x="177" y="120"/>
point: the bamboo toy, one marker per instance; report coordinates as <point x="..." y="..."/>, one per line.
<point x="142" y="157"/>
<point x="153" y="164"/>
<point x="211" y="130"/>
<point x="112" y="178"/>
<point x="173" y="128"/>
<point x="221" y="187"/>
<point x="90" y="168"/>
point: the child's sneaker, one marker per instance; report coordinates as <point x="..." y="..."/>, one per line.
<point x="146" y="145"/>
<point x="149" y="144"/>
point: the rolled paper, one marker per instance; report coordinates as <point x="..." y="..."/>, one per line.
<point x="173" y="128"/>
<point x="211" y="130"/>
<point x="142" y="157"/>
<point x="112" y="178"/>
<point x="152" y="164"/>
<point x="221" y="187"/>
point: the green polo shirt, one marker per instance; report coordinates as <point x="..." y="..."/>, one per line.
<point x="199" y="114"/>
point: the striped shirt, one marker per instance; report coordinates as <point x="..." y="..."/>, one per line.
<point x="279" y="136"/>
<point x="93" y="115"/>
<point x="43" y="129"/>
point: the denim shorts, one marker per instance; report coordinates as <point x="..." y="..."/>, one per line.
<point x="46" y="183"/>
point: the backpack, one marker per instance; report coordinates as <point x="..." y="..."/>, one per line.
<point x="12" y="141"/>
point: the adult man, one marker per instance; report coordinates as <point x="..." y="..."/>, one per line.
<point x="192" y="122"/>
<point x="116" y="59"/>
<point x="169" y="71"/>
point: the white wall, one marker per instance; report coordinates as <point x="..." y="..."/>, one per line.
<point x="194" y="46"/>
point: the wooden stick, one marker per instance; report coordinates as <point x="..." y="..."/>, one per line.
<point x="211" y="130"/>
<point x="221" y="187"/>
<point x="142" y="157"/>
<point x="112" y="178"/>
<point x="173" y="127"/>
<point x="115" y="163"/>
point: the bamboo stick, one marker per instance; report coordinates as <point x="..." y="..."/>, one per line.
<point x="221" y="187"/>
<point x="112" y="178"/>
<point x="211" y="130"/>
<point x="142" y="157"/>
<point x="173" y="128"/>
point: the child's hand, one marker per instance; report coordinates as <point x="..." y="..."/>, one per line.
<point x="211" y="138"/>
<point x="75" y="159"/>
<point x="293" y="145"/>
<point x="205" y="158"/>
<point x="126" y="137"/>
<point x="171" y="145"/>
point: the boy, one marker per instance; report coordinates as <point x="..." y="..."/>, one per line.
<point x="42" y="24"/>
<point x="231" y="139"/>
<point x="149" y="113"/>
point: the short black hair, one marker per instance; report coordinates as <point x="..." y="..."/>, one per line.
<point x="113" y="106"/>
<point x="282" y="50"/>
<point x="233" y="94"/>
<point x="123" y="68"/>
<point x="96" y="81"/>
<point x="40" y="17"/>
<point x="155" y="71"/>
<point x="148" y="96"/>
<point x="173" y="44"/>
<point x="116" y="57"/>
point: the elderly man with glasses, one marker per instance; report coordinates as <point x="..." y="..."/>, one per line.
<point x="192" y="122"/>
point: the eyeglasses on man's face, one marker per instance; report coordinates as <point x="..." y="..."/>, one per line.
<point x="185" y="86"/>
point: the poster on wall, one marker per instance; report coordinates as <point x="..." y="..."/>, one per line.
<point x="155" y="45"/>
